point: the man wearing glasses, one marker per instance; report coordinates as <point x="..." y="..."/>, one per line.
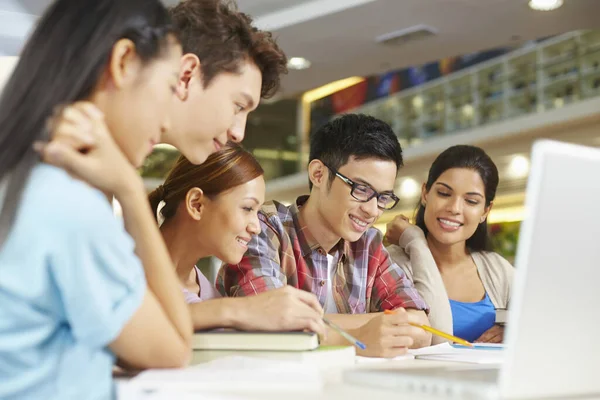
<point x="325" y="243"/>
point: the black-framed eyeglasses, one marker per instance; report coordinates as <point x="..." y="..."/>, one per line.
<point x="365" y="193"/>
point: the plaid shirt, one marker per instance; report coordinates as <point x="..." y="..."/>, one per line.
<point x="365" y="280"/>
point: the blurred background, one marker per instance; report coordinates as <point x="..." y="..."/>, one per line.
<point x="494" y="73"/>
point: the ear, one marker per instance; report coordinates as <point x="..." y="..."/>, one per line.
<point x="190" y="69"/>
<point x="124" y="65"/>
<point x="424" y="195"/>
<point x="194" y="203"/>
<point x="486" y="213"/>
<point x="318" y="173"/>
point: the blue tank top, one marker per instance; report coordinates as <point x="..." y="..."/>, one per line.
<point x="471" y="320"/>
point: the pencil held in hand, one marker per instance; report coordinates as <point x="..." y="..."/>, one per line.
<point x="454" y="339"/>
<point x="345" y="334"/>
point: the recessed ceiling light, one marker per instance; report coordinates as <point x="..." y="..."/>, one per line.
<point x="417" y="102"/>
<point x="298" y="63"/>
<point x="409" y="188"/>
<point x="518" y="167"/>
<point x="545" y="5"/>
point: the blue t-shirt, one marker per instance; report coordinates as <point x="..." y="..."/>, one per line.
<point x="471" y="320"/>
<point x="69" y="282"/>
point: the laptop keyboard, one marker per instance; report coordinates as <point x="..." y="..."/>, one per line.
<point x="488" y="375"/>
<point x="455" y="383"/>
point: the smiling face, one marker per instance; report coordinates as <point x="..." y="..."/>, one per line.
<point x="205" y="118"/>
<point x="345" y="216"/>
<point x="455" y="206"/>
<point x="230" y="219"/>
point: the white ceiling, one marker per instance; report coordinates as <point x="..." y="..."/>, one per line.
<point x="343" y="44"/>
<point x="338" y="36"/>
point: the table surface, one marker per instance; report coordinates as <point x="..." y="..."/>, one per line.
<point x="335" y="388"/>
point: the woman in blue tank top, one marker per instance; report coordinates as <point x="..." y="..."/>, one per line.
<point x="447" y="254"/>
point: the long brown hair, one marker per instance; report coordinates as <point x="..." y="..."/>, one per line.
<point x="227" y="168"/>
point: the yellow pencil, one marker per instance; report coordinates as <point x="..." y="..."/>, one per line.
<point x="436" y="332"/>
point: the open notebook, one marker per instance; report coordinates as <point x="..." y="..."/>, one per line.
<point x="481" y="353"/>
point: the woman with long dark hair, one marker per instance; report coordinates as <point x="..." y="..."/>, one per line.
<point x="77" y="290"/>
<point x="447" y="254"/>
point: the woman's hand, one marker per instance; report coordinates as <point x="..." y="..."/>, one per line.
<point x="395" y="228"/>
<point x="81" y="143"/>
<point x="283" y="309"/>
<point x="493" y="335"/>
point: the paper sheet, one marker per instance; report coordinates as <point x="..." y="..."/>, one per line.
<point x="371" y="360"/>
<point x="232" y="374"/>
<point x="481" y="354"/>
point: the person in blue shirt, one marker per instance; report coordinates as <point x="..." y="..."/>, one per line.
<point x="78" y="289"/>
<point x="447" y="253"/>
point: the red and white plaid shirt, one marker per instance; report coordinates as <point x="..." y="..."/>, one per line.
<point x="285" y="253"/>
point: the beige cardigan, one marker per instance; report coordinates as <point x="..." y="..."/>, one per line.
<point x="415" y="258"/>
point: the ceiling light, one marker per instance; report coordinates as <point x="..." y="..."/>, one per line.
<point x="559" y="102"/>
<point x="518" y="167"/>
<point x="409" y="188"/>
<point x="545" y="5"/>
<point x="417" y="102"/>
<point x="468" y="110"/>
<point x="330" y="88"/>
<point x="298" y="63"/>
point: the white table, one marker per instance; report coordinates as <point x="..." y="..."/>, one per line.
<point x="335" y="388"/>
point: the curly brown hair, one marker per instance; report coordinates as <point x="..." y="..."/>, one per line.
<point x="222" y="37"/>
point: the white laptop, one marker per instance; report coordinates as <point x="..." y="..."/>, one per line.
<point x="552" y="342"/>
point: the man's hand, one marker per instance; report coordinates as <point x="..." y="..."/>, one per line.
<point x="387" y="335"/>
<point x="422" y="338"/>
<point x="493" y="335"/>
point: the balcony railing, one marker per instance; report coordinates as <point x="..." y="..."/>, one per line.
<point x="541" y="77"/>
